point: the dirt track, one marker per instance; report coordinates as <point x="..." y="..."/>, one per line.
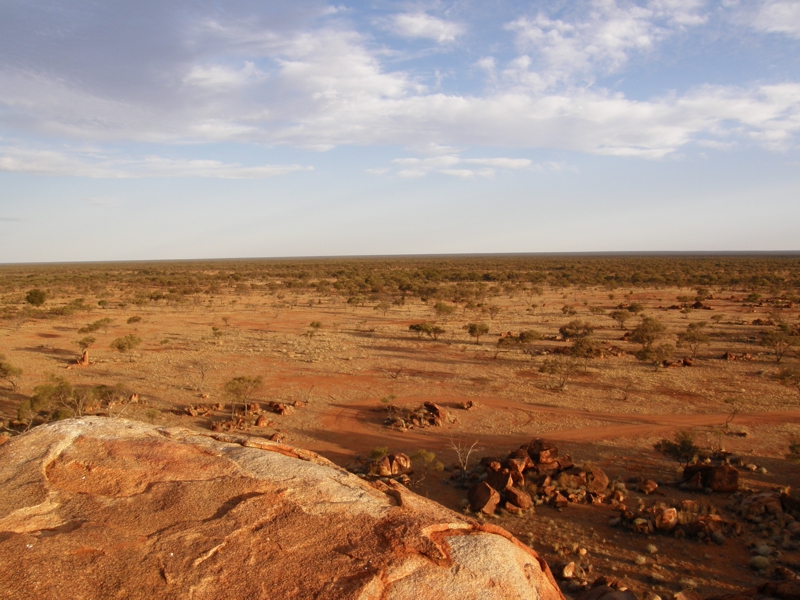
<point x="357" y="423"/>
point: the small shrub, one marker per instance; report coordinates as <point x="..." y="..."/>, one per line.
<point x="134" y="319"/>
<point x="379" y="452"/>
<point x="36" y="297"/>
<point x="682" y="448"/>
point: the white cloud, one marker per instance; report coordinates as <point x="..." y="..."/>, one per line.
<point x="504" y="163"/>
<point x="445" y="164"/>
<point x="468" y="173"/>
<point x="379" y="171"/>
<point x="779" y="16"/>
<point x="60" y="164"/>
<point x="599" y="43"/>
<point x="409" y="173"/>
<point x="422" y="25"/>
<point x="328" y="87"/>
<point x="222" y="77"/>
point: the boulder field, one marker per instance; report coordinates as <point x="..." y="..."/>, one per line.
<point x="111" y="508"/>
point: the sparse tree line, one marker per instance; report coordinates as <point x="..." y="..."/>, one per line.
<point x="773" y="279"/>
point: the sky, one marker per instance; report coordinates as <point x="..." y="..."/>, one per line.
<point x="219" y="129"/>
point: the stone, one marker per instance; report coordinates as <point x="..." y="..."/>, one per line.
<point x="722" y="478"/>
<point x="604" y="592"/>
<point x="436" y="410"/>
<point x="688" y="595"/>
<point x="399" y="464"/>
<point x="104" y="508"/>
<point x="666" y="518"/>
<point x="596" y="481"/>
<point x="483" y="498"/>
<point x="499" y="480"/>
<point x="542" y="451"/>
<point x="784" y="590"/>
<point x="565" y="462"/>
<point x="648" y="486"/>
<point x="262" y="421"/>
<point x="518" y="498"/>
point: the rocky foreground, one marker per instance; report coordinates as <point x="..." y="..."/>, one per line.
<point x="110" y="508"/>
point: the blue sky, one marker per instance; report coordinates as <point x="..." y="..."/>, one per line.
<point x="203" y="129"/>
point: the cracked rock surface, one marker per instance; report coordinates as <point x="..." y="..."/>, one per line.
<point x="110" y="508"/>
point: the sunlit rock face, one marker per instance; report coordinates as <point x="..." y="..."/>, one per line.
<point x="110" y="508"/>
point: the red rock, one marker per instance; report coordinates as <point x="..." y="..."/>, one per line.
<point x="548" y="468"/>
<point x="262" y="421"/>
<point x="666" y="519"/>
<point x="518" y="498"/>
<point x="558" y="500"/>
<point x="435" y="410"/>
<point x="400" y="464"/>
<point x="542" y="451"/>
<point x="105" y="508"/>
<point x="603" y="592"/>
<point x="720" y="478"/>
<point x="596" y="481"/>
<point x="565" y="462"/>
<point x="382" y="467"/>
<point x="785" y="590"/>
<point x="648" y="486"/>
<point x="499" y="480"/>
<point x="688" y="595"/>
<point x="571" y="480"/>
<point x="483" y="498"/>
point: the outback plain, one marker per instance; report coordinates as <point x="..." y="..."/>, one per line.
<point x="624" y="367"/>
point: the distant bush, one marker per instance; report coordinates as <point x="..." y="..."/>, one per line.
<point x="134" y="319"/>
<point x="36" y="297"/>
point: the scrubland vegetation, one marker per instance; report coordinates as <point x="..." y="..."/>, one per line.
<point x="635" y="364"/>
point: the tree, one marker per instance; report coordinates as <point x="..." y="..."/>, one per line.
<point x="383" y="307"/>
<point x="636" y="308"/>
<point x="493" y="311"/>
<point x="657" y="355"/>
<point x="433" y="331"/>
<point x="780" y="340"/>
<point x="476" y="330"/>
<point x="647" y="332"/>
<point x="527" y="339"/>
<point x="682" y="449"/>
<point x="584" y="347"/>
<point x="85" y="342"/>
<point x="36" y="297"/>
<point x="126" y="345"/>
<point x="443" y="309"/>
<point x="420" y="328"/>
<point x="241" y="389"/>
<point x="52" y="400"/>
<point x="561" y="368"/>
<point x="97" y="325"/>
<point x="693" y="338"/>
<point x="621" y="317"/>
<point x="9" y="372"/>
<point x="576" y="329"/>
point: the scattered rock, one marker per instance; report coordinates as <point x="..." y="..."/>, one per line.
<point x="483" y="498"/>
<point x="721" y="478"/>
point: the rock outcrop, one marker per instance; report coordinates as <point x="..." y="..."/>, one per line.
<point x="109" y="508"/>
